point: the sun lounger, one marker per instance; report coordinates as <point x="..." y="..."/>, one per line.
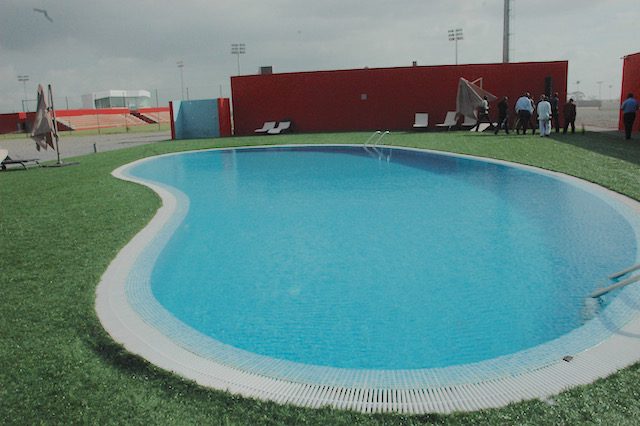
<point x="268" y="125"/>
<point x="421" y="120"/>
<point x="481" y="127"/>
<point x="449" y="121"/>
<point x="6" y="160"/>
<point x="282" y="126"/>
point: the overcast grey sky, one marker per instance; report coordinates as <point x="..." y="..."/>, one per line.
<point x="93" y="46"/>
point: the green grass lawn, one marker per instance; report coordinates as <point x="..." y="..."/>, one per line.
<point x="60" y="228"/>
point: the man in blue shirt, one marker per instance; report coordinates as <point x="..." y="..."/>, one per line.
<point x="629" y="108"/>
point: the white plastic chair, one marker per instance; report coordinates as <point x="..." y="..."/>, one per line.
<point x="421" y="121"/>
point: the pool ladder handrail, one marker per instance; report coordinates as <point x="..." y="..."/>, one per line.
<point x="376" y="142"/>
<point x="373" y="135"/>
<point x="624" y="272"/>
<point x="623" y="283"/>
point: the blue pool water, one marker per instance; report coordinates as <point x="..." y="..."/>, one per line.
<point x="331" y="257"/>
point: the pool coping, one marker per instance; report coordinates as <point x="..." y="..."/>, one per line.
<point x="126" y="327"/>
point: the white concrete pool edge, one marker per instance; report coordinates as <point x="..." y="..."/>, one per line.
<point x="127" y="328"/>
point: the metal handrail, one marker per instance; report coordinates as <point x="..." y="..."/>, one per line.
<point x="377" y="132"/>
<point x="383" y="134"/>
<point x="372" y="147"/>
<point x="622" y="283"/>
<point x="625" y="272"/>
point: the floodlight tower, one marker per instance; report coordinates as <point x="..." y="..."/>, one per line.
<point x="238" y="49"/>
<point x="23" y="79"/>
<point x="455" y="35"/>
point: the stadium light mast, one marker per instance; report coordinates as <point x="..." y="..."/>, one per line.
<point x="180" y="65"/>
<point x="455" y="35"/>
<point x="23" y="79"/>
<point x="238" y="49"/>
<point x="505" y="31"/>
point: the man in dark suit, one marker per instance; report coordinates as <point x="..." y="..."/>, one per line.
<point x="555" y="111"/>
<point x="570" y="116"/>
<point x="503" y="115"/>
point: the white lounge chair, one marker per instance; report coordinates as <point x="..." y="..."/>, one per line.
<point x="281" y="127"/>
<point x="421" y="121"/>
<point x="449" y="121"/>
<point x="268" y="125"/>
<point x="481" y="128"/>
<point x="6" y="160"/>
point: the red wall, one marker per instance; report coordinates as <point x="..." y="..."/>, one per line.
<point x="630" y="84"/>
<point x="331" y="100"/>
<point x="224" y="117"/>
<point x="172" y="120"/>
<point x="9" y="122"/>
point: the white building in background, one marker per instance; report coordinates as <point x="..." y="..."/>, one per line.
<point x="132" y="99"/>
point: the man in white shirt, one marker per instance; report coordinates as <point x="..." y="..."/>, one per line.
<point x="544" y="116"/>
<point x="524" y="109"/>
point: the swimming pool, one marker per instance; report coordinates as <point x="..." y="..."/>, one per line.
<point x="327" y="266"/>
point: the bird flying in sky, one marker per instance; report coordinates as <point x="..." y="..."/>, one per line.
<point x="44" y="12"/>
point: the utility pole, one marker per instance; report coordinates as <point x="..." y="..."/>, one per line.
<point x="600" y="93"/>
<point x="180" y="65"/>
<point x="505" y="31"/>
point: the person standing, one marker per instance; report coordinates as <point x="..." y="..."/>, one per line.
<point x="544" y="116"/>
<point x="524" y="109"/>
<point x="555" y="111"/>
<point x="483" y="113"/>
<point x="503" y="115"/>
<point x="569" y="116"/>
<point x="532" y="123"/>
<point x="629" y="108"/>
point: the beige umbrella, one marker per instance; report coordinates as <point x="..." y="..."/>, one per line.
<point x="470" y="97"/>
<point x="43" y="130"/>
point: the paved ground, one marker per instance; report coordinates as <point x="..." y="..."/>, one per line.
<point x="73" y="146"/>
<point x="595" y="118"/>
